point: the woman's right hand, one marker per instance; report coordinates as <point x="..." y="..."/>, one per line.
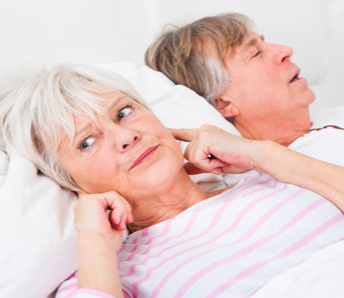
<point x="91" y="217"/>
<point x="99" y="238"/>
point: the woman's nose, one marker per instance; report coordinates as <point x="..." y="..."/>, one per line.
<point x="125" y="138"/>
<point x="128" y="143"/>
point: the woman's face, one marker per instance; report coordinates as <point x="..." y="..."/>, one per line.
<point x="129" y="151"/>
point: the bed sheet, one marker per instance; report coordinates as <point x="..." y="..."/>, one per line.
<point x="319" y="276"/>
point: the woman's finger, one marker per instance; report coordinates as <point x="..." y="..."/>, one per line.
<point x="183" y="134"/>
<point x="192" y="170"/>
<point x="81" y="193"/>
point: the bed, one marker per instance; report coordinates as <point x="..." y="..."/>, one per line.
<point x="37" y="243"/>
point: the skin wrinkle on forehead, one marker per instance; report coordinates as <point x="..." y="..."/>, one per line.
<point x="87" y="126"/>
<point x="207" y="47"/>
<point x="109" y="112"/>
<point x="251" y="42"/>
<point x="244" y="48"/>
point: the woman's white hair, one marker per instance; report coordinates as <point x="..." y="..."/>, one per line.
<point x="33" y="116"/>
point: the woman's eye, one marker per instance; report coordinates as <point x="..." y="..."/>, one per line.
<point x="124" y="112"/>
<point x="257" y="54"/>
<point x="85" y="144"/>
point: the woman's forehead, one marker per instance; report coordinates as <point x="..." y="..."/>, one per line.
<point x="113" y="95"/>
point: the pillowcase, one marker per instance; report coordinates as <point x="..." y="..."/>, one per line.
<point x="38" y="240"/>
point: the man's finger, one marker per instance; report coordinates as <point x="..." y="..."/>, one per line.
<point x="183" y="134"/>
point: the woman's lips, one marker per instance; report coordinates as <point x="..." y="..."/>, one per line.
<point x="143" y="156"/>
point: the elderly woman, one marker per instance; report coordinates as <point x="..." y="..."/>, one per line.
<point x="91" y="132"/>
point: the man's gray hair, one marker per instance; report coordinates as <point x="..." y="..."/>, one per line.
<point x="194" y="55"/>
<point x="34" y="115"/>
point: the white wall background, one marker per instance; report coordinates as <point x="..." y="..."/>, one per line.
<point x="37" y="32"/>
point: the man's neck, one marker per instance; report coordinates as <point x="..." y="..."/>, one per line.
<point x="282" y="132"/>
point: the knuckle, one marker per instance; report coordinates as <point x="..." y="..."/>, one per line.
<point x="206" y="127"/>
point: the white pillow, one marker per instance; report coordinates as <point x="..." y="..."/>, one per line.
<point x="37" y="243"/>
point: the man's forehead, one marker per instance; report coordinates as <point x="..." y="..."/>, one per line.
<point x="251" y="39"/>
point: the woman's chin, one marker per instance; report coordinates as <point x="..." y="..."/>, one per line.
<point x="159" y="176"/>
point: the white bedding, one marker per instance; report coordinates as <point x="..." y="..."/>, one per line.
<point x="36" y="222"/>
<point x="37" y="243"/>
<point x="318" y="277"/>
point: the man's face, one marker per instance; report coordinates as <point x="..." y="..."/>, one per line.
<point x="265" y="84"/>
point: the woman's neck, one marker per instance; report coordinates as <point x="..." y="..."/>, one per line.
<point x="165" y="203"/>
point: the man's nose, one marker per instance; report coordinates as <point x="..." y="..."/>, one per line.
<point x="281" y="53"/>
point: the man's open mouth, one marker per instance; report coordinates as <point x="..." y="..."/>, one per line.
<point x="295" y="78"/>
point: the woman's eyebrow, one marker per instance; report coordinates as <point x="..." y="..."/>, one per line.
<point x="109" y="111"/>
<point x="81" y="130"/>
<point x="114" y="104"/>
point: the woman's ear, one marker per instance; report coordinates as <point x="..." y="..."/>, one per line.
<point x="226" y="107"/>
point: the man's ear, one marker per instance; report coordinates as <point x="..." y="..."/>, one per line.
<point x="226" y="107"/>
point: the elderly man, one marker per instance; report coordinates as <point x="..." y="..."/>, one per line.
<point x="248" y="80"/>
<point x="255" y="85"/>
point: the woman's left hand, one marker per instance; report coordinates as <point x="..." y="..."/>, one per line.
<point x="212" y="149"/>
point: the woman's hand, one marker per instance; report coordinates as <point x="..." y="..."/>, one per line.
<point x="91" y="215"/>
<point x="232" y="154"/>
<point x="212" y="149"/>
<point x="99" y="238"/>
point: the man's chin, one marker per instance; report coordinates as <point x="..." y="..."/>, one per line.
<point x="309" y="97"/>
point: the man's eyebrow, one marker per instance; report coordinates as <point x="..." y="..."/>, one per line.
<point x="250" y="43"/>
<point x="253" y="41"/>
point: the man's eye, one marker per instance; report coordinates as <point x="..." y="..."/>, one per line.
<point x="124" y="112"/>
<point x="85" y="144"/>
<point x="256" y="54"/>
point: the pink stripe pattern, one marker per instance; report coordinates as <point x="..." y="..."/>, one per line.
<point x="202" y="234"/>
<point x="224" y="246"/>
<point x="285" y="253"/>
<point x="234" y="224"/>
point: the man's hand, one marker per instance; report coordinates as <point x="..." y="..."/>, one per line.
<point x="91" y="216"/>
<point x="211" y="149"/>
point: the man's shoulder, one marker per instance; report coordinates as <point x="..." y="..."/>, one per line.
<point x="325" y="141"/>
<point x="331" y="116"/>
